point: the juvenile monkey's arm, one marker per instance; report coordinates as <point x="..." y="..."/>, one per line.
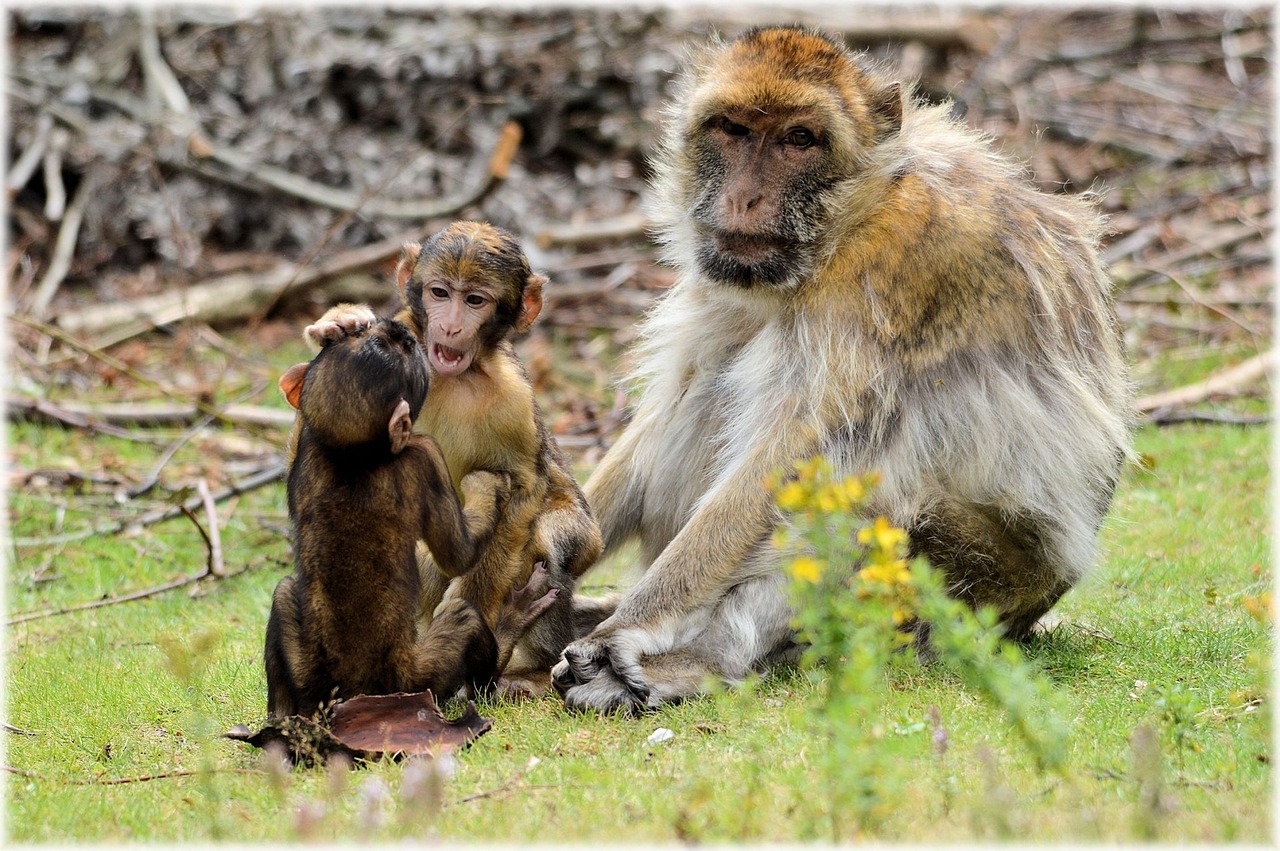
<point x="456" y="536"/>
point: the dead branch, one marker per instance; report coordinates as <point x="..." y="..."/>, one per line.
<point x="116" y="364"/>
<point x="31" y="157"/>
<point x="346" y="201"/>
<point x="55" y="201"/>
<point x="1229" y="382"/>
<point x="111" y="601"/>
<point x="224" y="298"/>
<point x="63" y="248"/>
<point x="625" y="226"/>
<point x="105" y="416"/>
<point x="144" y="778"/>
<point x="265" y="476"/>
<point x="1165" y="417"/>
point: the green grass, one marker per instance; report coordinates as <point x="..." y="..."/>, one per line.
<point x="1160" y="636"/>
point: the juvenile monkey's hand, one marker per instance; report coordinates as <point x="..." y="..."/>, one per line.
<point x="343" y="320"/>
<point x="526" y="605"/>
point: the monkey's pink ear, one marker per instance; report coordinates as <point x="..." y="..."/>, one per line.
<point x="404" y="268"/>
<point x="400" y="428"/>
<point x="291" y="382"/>
<point x="531" y="304"/>
<point x="887" y="105"/>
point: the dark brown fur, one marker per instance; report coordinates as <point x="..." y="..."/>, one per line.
<point x="362" y="491"/>
<point x="487" y="418"/>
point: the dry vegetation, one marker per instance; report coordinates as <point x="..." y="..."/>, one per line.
<point x="180" y="175"/>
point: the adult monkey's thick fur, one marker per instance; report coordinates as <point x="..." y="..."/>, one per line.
<point x="860" y="276"/>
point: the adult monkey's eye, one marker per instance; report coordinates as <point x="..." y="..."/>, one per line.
<point x="800" y="137"/>
<point x="733" y="128"/>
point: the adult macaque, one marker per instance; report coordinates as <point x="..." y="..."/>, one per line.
<point x="363" y="490"/>
<point x="861" y="277"/>
<point x="466" y="292"/>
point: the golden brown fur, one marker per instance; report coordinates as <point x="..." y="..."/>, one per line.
<point x="486" y="418"/>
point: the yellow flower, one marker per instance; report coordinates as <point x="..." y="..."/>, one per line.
<point x="1259" y="606"/>
<point x="792" y="496"/>
<point x="807" y="568"/>
<point x="813" y="469"/>
<point x="854" y="490"/>
<point x="883" y="536"/>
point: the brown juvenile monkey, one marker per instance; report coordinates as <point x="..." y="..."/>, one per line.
<point x="465" y="293"/>
<point x="362" y="491"/>
<point x="859" y="276"/>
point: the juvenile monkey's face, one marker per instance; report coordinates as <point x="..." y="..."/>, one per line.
<point x="458" y="312"/>
<point x="469" y="288"/>
<point x="353" y="385"/>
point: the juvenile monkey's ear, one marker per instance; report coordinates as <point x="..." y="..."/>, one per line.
<point x="404" y="267"/>
<point x="531" y="303"/>
<point x="291" y="382"/>
<point x="886" y="105"/>
<point x="400" y="428"/>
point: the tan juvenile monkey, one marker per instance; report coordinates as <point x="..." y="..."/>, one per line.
<point x="466" y="292"/>
<point x="863" y="277"/>
<point x="362" y="491"/>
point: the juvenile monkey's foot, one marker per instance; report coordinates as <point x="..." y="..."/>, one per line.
<point x="528" y="604"/>
<point x="344" y="320"/>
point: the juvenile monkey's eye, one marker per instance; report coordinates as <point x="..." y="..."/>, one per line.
<point x="439" y="292"/>
<point x="476" y="300"/>
<point x="800" y="137"/>
<point x="733" y="128"/>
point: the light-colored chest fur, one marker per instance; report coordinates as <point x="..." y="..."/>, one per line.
<point x="482" y="421"/>
<point x="722" y="386"/>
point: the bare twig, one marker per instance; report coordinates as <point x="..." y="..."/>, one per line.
<point x="111" y="601"/>
<point x="116" y="781"/>
<point x="55" y="191"/>
<point x="31" y="157"/>
<point x="214" y="537"/>
<point x="64" y="248"/>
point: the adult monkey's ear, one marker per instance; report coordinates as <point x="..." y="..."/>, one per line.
<point x="886" y="107"/>
<point x="404" y="267"/>
<point x="531" y="302"/>
<point x="291" y="382"/>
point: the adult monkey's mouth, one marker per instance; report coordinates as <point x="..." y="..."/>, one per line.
<point x="749" y="248"/>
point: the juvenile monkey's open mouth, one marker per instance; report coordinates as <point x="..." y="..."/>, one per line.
<point x="447" y="361"/>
